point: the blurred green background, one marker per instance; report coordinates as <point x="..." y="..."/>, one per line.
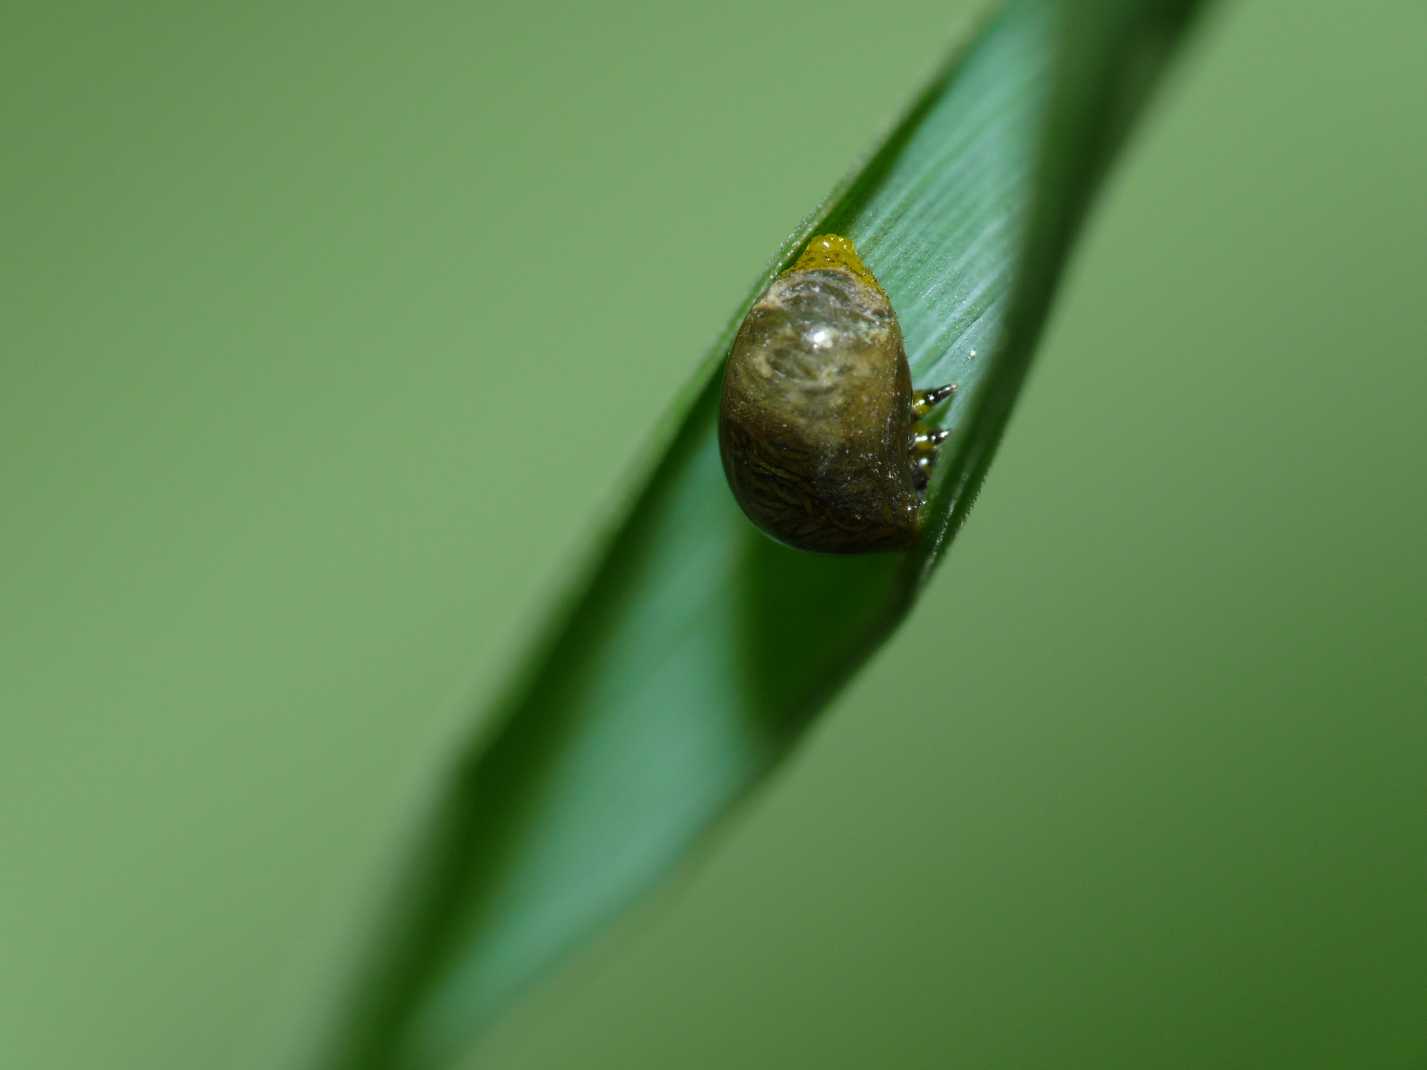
<point x="327" y="334"/>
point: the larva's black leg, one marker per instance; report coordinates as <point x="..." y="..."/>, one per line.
<point x="923" y="401"/>
<point x="922" y="471"/>
<point x="924" y="450"/>
<point x="926" y="442"/>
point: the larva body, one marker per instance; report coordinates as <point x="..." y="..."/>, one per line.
<point x="817" y="421"/>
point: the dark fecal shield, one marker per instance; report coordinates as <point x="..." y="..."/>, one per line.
<point x="816" y="420"/>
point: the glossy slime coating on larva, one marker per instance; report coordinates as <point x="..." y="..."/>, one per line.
<point x="816" y="420"/>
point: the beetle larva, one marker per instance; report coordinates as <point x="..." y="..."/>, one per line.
<point x="817" y="424"/>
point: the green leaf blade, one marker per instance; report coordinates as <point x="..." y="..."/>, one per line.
<point x="697" y="650"/>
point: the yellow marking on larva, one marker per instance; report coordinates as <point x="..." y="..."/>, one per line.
<point x="831" y="252"/>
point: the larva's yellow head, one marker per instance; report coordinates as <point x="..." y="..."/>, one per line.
<point x="831" y="252"/>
